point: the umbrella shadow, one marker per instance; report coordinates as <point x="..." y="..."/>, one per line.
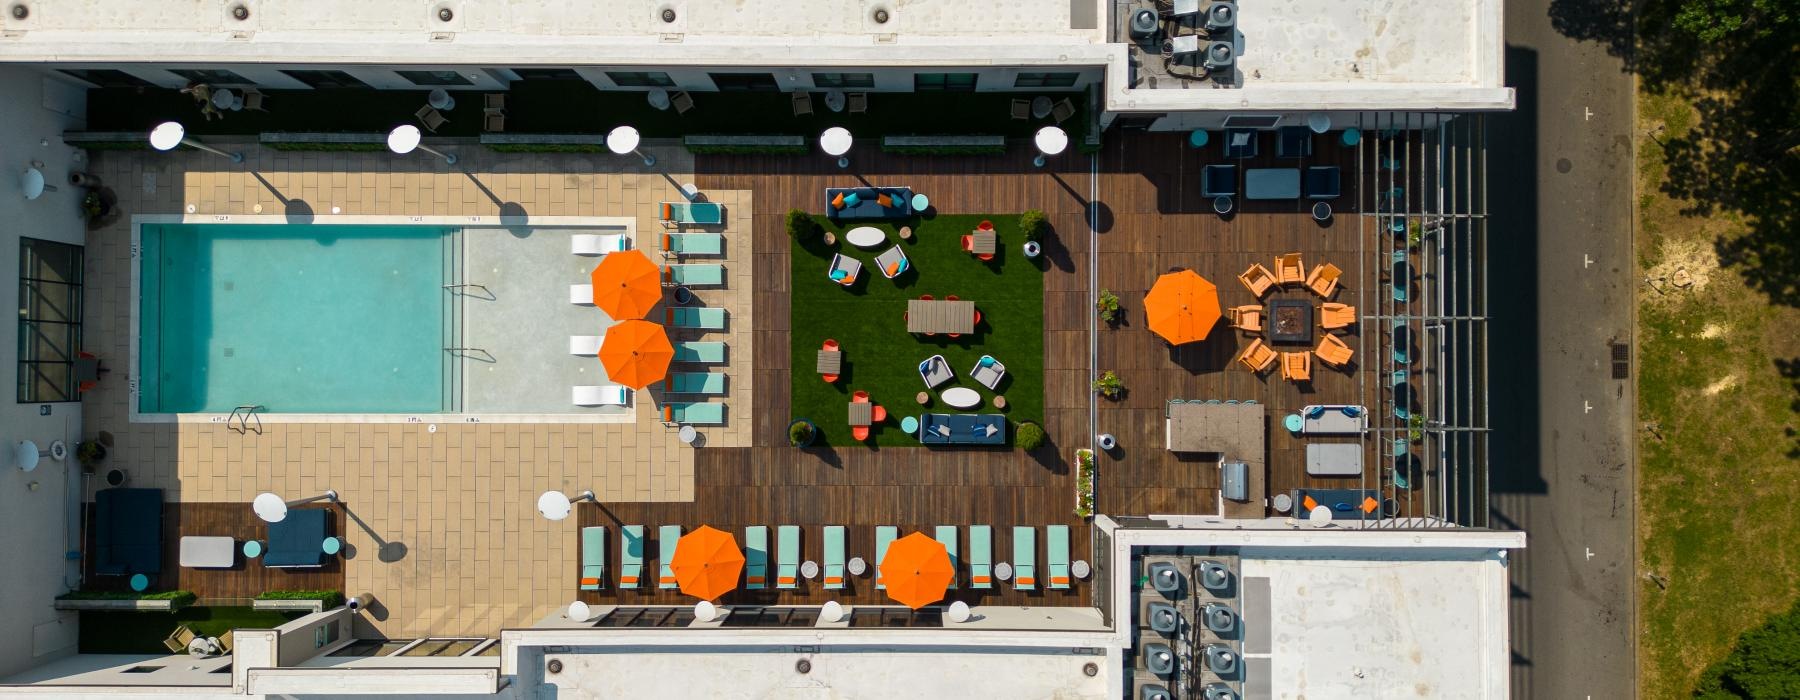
<point x="513" y="215"/>
<point x="297" y="211"/>
<point x="385" y="550"/>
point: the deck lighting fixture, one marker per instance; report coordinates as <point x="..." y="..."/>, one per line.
<point x="167" y="135"/>
<point x="624" y="140"/>
<point x="556" y="505"/>
<point x="1050" y="141"/>
<point x="836" y="141"/>
<point x="405" y="139"/>
<point x="273" y="508"/>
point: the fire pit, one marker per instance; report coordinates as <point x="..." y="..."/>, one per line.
<point x="1290" y="321"/>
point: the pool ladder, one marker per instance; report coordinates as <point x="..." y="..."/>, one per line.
<point x="241" y="417"/>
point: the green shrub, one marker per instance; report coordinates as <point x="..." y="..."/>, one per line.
<point x="1109" y="385"/>
<point x="547" y="148"/>
<point x="180" y="598"/>
<point x="800" y="225"/>
<point x="1033" y="224"/>
<point x="1108" y="306"/>
<point x="1764" y="664"/>
<point x="331" y="599"/>
<point x="800" y="433"/>
<point x="1029" y="436"/>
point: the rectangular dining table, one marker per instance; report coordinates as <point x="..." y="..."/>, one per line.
<point x="940" y="316"/>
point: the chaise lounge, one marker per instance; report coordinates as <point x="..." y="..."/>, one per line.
<point x="692" y="214"/>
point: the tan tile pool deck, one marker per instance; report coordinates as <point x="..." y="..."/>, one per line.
<point x="461" y="499"/>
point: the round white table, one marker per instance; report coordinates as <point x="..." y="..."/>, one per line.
<point x="204" y="646"/>
<point x="269" y="507"/>
<point x="441" y="99"/>
<point x="1318" y="122"/>
<point x="659" y="98"/>
<point x="554" y="505"/>
<point x="1080" y="569"/>
<point x="224" y="98"/>
<point x="34" y="184"/>
<point x="959" y="611"/>
<point x="834" y="100"/>
<point x="961" y="397"/>
<point x="809" y="569"/>
<point x="865" y="237"/>
<point x="579" y="612"/>
<point x="688" y="434"/>
<point x="857" y="566"/>
<point x="1003" y="571"/>
<point x="1040" y="106"/>
<point x="27" y="455"/>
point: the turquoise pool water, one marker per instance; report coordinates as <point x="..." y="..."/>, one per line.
<point x="296" y="318"/>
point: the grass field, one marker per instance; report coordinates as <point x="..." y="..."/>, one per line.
<point x="144" y="632"/>
<point x="880" y="357"/>
<point x="1719" y="492"/>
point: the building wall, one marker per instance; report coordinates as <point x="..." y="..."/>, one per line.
<point x="36" y="525"/>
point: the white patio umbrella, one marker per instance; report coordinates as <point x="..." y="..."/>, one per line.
<point x="625" y="139"/>
<point x="837" y="141"/>
<point x="168" y="135"/>
<point x="1050" y="141"/>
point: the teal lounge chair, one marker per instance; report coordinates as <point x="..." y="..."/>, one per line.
<point x="787" y="556"/>
<point x="884" y="536"/>
<point x="710" y="352"/>
<point x="693" y="244"/>
<point x="707" y="318"/>
<point x="1056" y="544"/>
<point x="703" y="413"/>
<point x="834" y="556"/>
<point x="631" y="555"/>
<point x="667" y="537"/>
<point x="709" y="275"/>
<point x="1024" y="558"/>
<point x="756" y="557"/>
<point x="593" y="558"/>
<point x="946" y="534"/>
<point x="981" y="556"/>
<point x="696" y="213"/>
<point x="707" y="383"/>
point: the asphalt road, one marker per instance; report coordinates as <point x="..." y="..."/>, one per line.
<point x="1562" y="456"/>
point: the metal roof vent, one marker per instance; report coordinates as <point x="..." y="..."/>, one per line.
<point x="1218" y="691"/>
<point x="1220" y="659"/>
<point x="20" y="11"/>
<point x="667" y="15"/>
<point x="1163" y="578"/>
<point x="1163" y="618"/>
<point x="1214" y="576"/>
<point x="1153" y="692"/>
<point x="1159" y="658"/>
<point x="1220" y="618"/>
<point x="1220" y="54"/>
<point x="1143" y="24"/>
<point x="1221" y="15"/>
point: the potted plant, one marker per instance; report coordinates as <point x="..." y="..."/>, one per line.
<point x="1109" y="385"/>
<point x="1415" y="427"/>
<point x="1084" y="483"/>
<point x="90" y="453"/>
<point x="800" y="226"/>
<point x="92" y="206"/>
<point x="1108" y="306"/>
<point x="1028" y="436"/>
<point x="1033" y="225"/>
<point x="801" y="433"/>
<point x="1415" y="233"/>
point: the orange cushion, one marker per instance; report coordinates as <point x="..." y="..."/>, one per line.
<point x="1308" y="503"/>
<point x="668" y="211"/>
<point x="668" y="242"/>
<point x="756" y="579"/>
<point x="838" y="201"/>
<point x="982" y="579"/>
<point x="1027" y="580"/>
<point x="1059" y="579"/>
<point x="669" y="416"/>
<point x="893" y="269"/>
<point x="628" y="579"/>
<point x="834" y="579"/>
<point x="787" y="579"/>
<point x="1369" y="505"/>
<point x="590" y="581"/>
<point x="884" y="200"/>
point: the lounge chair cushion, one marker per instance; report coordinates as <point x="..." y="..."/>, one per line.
<point x="851" y="199"/>
<point x="128" y="531"/>
<point x="297" y="539"/>
<point x="668" y="211"/>
<point x="839" y="274"/>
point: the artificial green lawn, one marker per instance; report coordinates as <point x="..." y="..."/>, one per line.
<point x="880" y="357"/>
<point x="107" y="632"/>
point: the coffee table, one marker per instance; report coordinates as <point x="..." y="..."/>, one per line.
<point x="865" y="237"/>
<point x="1289" y="321"/>
<point x="961" y="397"/>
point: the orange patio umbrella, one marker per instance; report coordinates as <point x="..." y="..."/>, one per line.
<point x="916" y="570"/>
<point x="1183" y="307"/>
<point x="626" y="284"/>
<point x="707" y="563"/>
<point x="636" y="353"/>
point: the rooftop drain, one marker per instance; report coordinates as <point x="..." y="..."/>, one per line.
<point x="668" y="15"/>
<point x="445" y="15"/>
<point x="881" y="15"/>
<point x="240" y="12"/>
<point x="20" y="11"/>
<point x="803" y="666"/>
<point x="555" y="666"/>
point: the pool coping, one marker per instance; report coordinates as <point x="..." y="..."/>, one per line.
<point x="138" y="221"/>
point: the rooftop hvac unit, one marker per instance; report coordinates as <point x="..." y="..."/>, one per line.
<point x="1220" y="659"/>
<point x="1165" y="579"/>
<point x="1219" y="618"/>
<point x="1218" y="691"/>
<point x="1143" y="24"/>
<point x="1220" y="54"/>
<point x="1214" y="576"/>
<point x="1164" y="618"/>
<point x="1153" y="692"/>
<point x="1159" y="658"/>
<point x="1221" y="16"/>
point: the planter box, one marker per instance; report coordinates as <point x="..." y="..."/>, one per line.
<point x="544" y="139"/>
<point x="1089" y="454"/>
<point x="117" y="605"/>
<point x="744" y="140"/>
<point x="300" y="605"/>
<point x="943" y="141"/>
<point x="320" y="137"/>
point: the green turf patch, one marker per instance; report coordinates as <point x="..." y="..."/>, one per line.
<point x="880" y="357"/>
<point x="106" y="632"/>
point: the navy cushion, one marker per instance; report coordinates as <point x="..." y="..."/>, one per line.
<point x="128" y="531"/>
<point x="297" y="540"/>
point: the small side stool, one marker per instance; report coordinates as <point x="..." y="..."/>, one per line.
<point x="252" y="549"/>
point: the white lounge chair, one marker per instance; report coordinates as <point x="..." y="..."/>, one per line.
<point x="935" y="370"/>
<point x="581" y="294"/>
<point x="587" y="345"/>
<point x="598" y="244"/>
<point x="603" y="395"/>
<point x="988" y="371"/>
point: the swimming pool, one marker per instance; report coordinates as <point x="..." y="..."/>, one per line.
<point x="298" y="318"/>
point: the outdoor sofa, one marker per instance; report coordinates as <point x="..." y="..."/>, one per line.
<point x="858" y="203"/>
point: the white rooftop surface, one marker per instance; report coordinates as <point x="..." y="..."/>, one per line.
<point x="1388" y="41"/>
<point x="1377" y="624"/>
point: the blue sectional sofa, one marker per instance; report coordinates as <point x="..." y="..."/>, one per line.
<point x="867" y="203"/>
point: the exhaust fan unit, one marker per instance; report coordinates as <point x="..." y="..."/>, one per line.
<point x="1219" y="691"/>
<point x="1165" y="579"/>
<point x="1220" y="54"/>
<point x="1221" y="16"/>
<point x="1220" y="659"/>
<point x="1143" y="24"/>
<point x="1159" y="658"/>
<point x="1164" y="619"/>
<point x="1153" y="692"/>
<point x="1219" y="618"/>
<point x="1214" y="576"/>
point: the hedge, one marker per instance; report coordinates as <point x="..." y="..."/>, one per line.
<point x="546" y="148"/>
<point x="331" y="599"/>
<point x="322" y="146"/>
<point x="179" y="598"/>
<point x="723" y="150"/>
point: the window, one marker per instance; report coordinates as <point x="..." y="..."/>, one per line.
<point x="843" y="80"/>
<point x="434" y="77"/>
<point x="211" y="77"/>
<point x="744" y="82"/>
<point x="1252" y="121"/>
<point x="953" y="82"/>
<point x="1046" y="80"/>
<point x="106" y="78"/>
<point x="49" y="320"/>
<point x="639" y="79"/>
<point x="546" y="74"/>
<point x="326" y="78"/>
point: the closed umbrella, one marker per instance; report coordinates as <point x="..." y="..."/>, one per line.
<point x="916" y="570"/>
<point x="1182" y="307"/>
<point x="626" y="284"/>
<point x="636" y="353"/>
<point x="707" y="563"/>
